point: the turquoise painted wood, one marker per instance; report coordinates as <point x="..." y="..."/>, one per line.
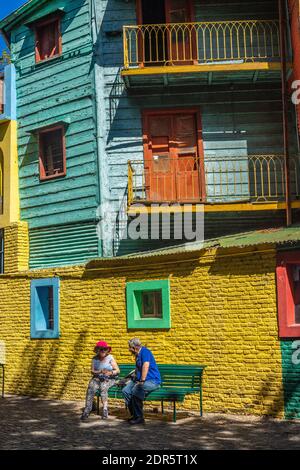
<point x="46" y="94"/>
<point x="61" y="213"/>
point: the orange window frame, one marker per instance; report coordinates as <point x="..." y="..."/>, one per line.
<point x="43" y="176"/>
<point x="285" y="295"/>
<point x="39" y="24"/>
<point x="146" y="113"/>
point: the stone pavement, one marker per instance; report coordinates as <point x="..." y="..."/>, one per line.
<point x="31" y="423"/>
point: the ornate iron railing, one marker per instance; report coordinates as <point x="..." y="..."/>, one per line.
<point x="200" y="43"/>
<point x="255" y="178"/>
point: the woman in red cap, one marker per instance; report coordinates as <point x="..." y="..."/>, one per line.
<point x="104" y="371"/>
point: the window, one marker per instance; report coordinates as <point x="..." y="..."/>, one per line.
<point x="47" y="39"/>
<point x="45" y="308"/>
<point x="288" y="294"/>
<point x="52" y="153"/>
<point x="148" y="305"/>
<point x="152" y="304"/>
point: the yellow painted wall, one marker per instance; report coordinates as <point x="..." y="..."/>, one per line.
<point x="8" y="150"/>
<point x="16" y="247"/>
<point x="223" y="312"/>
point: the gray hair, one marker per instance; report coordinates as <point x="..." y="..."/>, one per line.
<point x="135" y="343"/>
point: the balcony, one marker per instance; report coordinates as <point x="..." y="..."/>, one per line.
<point x="202" y="52"/>
<point x="254" y="182"/>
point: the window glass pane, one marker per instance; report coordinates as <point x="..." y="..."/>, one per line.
<point x="296" y="286"/>
<point x="47" y="37"/>
<point x="44" y="315"/>
<point x="151" y="304"/>
<point x="52" y="152"/>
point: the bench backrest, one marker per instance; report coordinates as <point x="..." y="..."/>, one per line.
<point x="173" y="375"/>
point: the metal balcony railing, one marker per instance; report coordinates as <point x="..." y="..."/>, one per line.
<point x="201" y="43"/>
<point x="255" y="178"/>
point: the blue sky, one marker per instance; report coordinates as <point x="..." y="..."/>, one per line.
<point x="6" y="7"/>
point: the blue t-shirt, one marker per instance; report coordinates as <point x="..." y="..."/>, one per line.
<point x="145" y="355"/>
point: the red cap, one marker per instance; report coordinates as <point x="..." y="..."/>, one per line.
<point x="103" y="344"/>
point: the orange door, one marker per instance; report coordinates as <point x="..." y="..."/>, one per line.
<point x="182" y="37"/>
<point x="159" y="167"/>
<point x="187" y="158"/>
<point x="172" y="164"/>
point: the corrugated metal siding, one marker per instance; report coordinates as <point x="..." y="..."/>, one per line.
<point x="62" y="245"/>
<point x="215" y="225"/>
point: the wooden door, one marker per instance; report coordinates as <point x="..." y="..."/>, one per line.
<point x="159" y="165"/>
<point x="181" y="39"/>
<point x="172" y="163"/>
<point x="187" y="158"/>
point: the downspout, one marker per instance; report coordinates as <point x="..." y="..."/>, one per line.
<point x="103" y="249"/>
<point x="284" y="96"/>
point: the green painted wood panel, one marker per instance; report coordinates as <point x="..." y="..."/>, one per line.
<point x="63" y="245"/>
<point x="50" y="92"/>
<point x="291" y="377"/>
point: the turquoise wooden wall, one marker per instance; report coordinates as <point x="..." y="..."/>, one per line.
<point x="61" y="89"/>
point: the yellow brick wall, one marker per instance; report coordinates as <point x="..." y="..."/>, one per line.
<point x="16" y="248"/>
<point x="223" y="313"/>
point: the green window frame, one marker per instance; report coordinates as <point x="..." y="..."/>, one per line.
<point x="136" y="318"/>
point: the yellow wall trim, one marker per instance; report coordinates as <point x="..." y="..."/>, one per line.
<point x="230" y="67"/>
<point x="9" y="152"/>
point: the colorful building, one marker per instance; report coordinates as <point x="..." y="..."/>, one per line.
<point x="148" y="109"/>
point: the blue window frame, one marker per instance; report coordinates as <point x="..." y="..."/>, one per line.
<point x="44" y="308"/>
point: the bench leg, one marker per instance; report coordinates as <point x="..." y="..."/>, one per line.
<point x="162" y="407"/>
<point x="174" y="411"/>
<point x="98" y="406"/>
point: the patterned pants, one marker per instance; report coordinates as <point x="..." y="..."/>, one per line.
<point x="94" y="385"/>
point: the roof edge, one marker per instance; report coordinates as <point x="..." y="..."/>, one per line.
<point x="14" y="18"/>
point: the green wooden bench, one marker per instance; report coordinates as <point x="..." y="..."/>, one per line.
<point x="177" y="382"/>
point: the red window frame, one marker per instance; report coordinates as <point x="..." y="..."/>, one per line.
<point x="285" y="295"/>
<point x="43" y="175"/>
<point x="46" y="22"/>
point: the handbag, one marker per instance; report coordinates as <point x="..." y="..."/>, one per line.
<point x="125" y="380"/>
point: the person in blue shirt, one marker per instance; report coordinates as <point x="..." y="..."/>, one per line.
<point x="147" y="378"/>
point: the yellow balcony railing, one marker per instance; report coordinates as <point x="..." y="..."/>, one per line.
<point x="255" y="178"/>
<point x="201" y="43"/>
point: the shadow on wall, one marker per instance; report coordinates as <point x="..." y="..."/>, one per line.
<point x="37" y="373"/>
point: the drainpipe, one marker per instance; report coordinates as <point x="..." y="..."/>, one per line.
<point x="284" y="95"/>
<point x="104" y="245"/>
